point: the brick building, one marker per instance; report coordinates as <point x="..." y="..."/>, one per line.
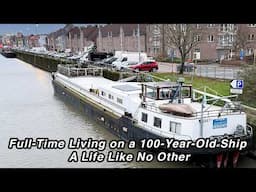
<point x="80" y="37"/>
<point x="72" y="37"/>
<point x="118" y="37"/>
<point x="216" y="41"/>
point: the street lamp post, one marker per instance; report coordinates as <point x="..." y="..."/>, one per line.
<point x="254" y="56"/>
<point x="81" y="39"/>
<point x="36" y="28"/>
<point x="121" y="38"/>
<point x="139" y="40"/>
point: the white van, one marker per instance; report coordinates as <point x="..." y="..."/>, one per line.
<point x="128" y="58"/>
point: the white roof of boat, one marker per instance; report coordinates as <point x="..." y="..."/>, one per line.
<point x="91" y="82"/>
<point x="124" y="88"/>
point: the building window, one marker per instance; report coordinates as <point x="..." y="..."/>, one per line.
<point x="251" y="25"/>
<point x="197" y="50"/>
<point x="197" y="38"/>
<point x="231" y="38"/>
<point x="183" y="27"/>
<point x="210" y="25"/>
<point x="250" y="37"/>
<point x="110" y="34"/>
<point x="144" y="117"/>
<point x="210" y="38"/>
<point x="175" y="127"/>
<point x="226" y="40"/>
<point x="119" y="100"/>
<point x="156" y="50"/>
<point x="227" y="27"/>
<point x="103" y="93"/>
<point x="157" y="122"/>
<point x="133" y="33"/>
<point x="156" y="30"/>
<point x="249" y="51"/>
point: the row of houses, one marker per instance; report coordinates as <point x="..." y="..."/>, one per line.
<point x="107" y="38"/>
<point x="216" y="42"/>
<point x="19" y="40"/>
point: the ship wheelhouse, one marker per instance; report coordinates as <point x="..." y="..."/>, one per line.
<point x="166" y="91"/>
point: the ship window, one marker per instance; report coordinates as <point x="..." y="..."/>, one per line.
<point x="157" y="122"/>
<point x="151" y="93"/>
<point x="110" y="96"/>
<point x="164" y="93"/>
<point x="103" y="93"/>
<point x="119" y="100"/>
<point x="175" y="127"/>
<point x="186" y="92"/>
<point x="144" y="117"/>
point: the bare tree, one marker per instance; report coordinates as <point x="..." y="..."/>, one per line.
<point x="184" y="37"/>
<point x="241" y="38"/>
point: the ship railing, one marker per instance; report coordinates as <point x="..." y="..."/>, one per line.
<point x="214" y="113"/>
<point x="151" y="106"/>
<point x="76" y="71"/>
<point x="197" y="115"/>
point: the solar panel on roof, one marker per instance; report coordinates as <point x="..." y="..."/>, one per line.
<point x="126" y="87"/>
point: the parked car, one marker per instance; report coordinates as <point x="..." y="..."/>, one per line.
<point x="149" y="65"/>
<point x="107" y="61"/>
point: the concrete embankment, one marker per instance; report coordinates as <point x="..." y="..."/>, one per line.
<point x="41" y="61"/>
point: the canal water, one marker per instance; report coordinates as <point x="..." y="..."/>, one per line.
<point x="29" y="108"/>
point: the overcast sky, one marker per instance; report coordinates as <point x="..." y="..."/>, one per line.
<point x="27" y="29"/>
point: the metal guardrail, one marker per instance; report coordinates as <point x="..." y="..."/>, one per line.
<point x="209" y="71"/>
<point x="248" y="107"/>
<point x="215" y="72"/>
<point x="197" y="115"/>
<point x="76" y="71"/>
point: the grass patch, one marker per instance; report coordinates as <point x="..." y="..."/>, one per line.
<point x="221" y="86"/>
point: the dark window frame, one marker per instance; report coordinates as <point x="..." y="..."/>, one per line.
<point x="144" y="117"/>
<point x="157" y="124"/>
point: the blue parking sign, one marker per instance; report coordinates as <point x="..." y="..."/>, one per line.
<point x="237" y="84"/>
<point x="241" y="55"/>
<point x="240" y="84"/>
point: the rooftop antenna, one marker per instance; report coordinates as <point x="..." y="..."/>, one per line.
<point x="181" y="81"/>
<point x="178" y="92"/>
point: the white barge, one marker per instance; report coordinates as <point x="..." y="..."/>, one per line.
<point x="135" y="110"/>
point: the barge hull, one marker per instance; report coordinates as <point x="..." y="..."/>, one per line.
<point x="123" y="127"/>
<point x="9" y="55"/>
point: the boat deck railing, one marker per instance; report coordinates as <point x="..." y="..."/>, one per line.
<point x="197" y="115"/>
<point x="77" y="71"/>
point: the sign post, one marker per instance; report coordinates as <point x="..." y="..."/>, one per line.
<point x="237" y="86"/>
<point x="241" y="54"/>
<point x="254" y="56"/>
<point x="196" y="56"/>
